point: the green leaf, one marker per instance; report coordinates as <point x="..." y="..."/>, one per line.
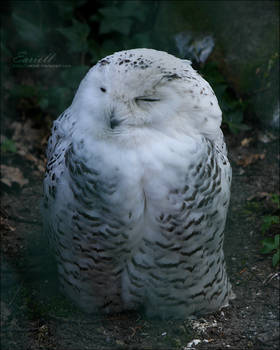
<point x="66" y="8"/>
<point x="8" y="146"/>
<point x="276" y="241"/>
<point x="268" y="221"/>
<point x="268" y="245"/>
<point x="276" y="258"/>
<point x="121" y="18"/>
<point x="276" y="199"/>
<point x="135" y="9"/>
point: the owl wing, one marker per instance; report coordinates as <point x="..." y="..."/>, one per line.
<point x="82" y="224"/>
<point x="180" y="266"/>
<point x="58" y="143"/>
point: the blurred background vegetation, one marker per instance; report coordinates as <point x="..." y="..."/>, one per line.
<point x="48" y="46"/>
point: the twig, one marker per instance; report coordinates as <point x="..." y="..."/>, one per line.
<point x="266" y="282"/>
<point x="67" y="320"/>
<point x="271" y="277"/>
<point x="26" y="221"/>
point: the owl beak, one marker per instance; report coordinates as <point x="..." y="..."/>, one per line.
<point x="114" y="122"/>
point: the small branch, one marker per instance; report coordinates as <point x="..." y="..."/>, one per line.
<point x="271" y="277"/>
<point x="25" y="221"/>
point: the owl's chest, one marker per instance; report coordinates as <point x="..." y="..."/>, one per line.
<point x="126" y="180"/>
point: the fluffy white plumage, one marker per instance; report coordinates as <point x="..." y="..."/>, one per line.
<point x="137" y="189"/>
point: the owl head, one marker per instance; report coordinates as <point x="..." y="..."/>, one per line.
<point x="134" y="91"/>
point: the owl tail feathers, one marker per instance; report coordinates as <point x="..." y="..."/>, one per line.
<point x="232" y="295"/>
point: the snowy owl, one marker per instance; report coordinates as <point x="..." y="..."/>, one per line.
<point x="137" y="189"/>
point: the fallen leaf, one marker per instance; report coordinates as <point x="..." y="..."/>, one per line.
<point x="246" y="142"/>
<point x="241" y="172"/>
<point x="9" y="175"/>
<point x="39" y="163"/>
<point x="26" y="137"/>
<point x="120" y="342"/>
<point x="259" y="195"/>
<point x="266" y="137"/>
<point x="249" y="159"/>
<point x="5" y="225"/>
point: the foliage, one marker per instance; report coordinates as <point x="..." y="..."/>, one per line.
<point x="271" y="243"/>
<point x="252" y="207"/>
<point x="232" y="108"/>
<point x="8" y="145"/>
<point x="268" y="211"/>
<point x="275" y="198"/>
<point x="268" y="221"/>
<point x="125" y="25"/>
<point x="62" y="39"/>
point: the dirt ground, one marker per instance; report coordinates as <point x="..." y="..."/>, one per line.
<point x="34" y="315"/>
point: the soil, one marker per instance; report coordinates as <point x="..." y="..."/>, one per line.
<point x="34" y="315"/>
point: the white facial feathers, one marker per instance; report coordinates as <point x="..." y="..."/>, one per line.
<point x="146" y="88"/>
